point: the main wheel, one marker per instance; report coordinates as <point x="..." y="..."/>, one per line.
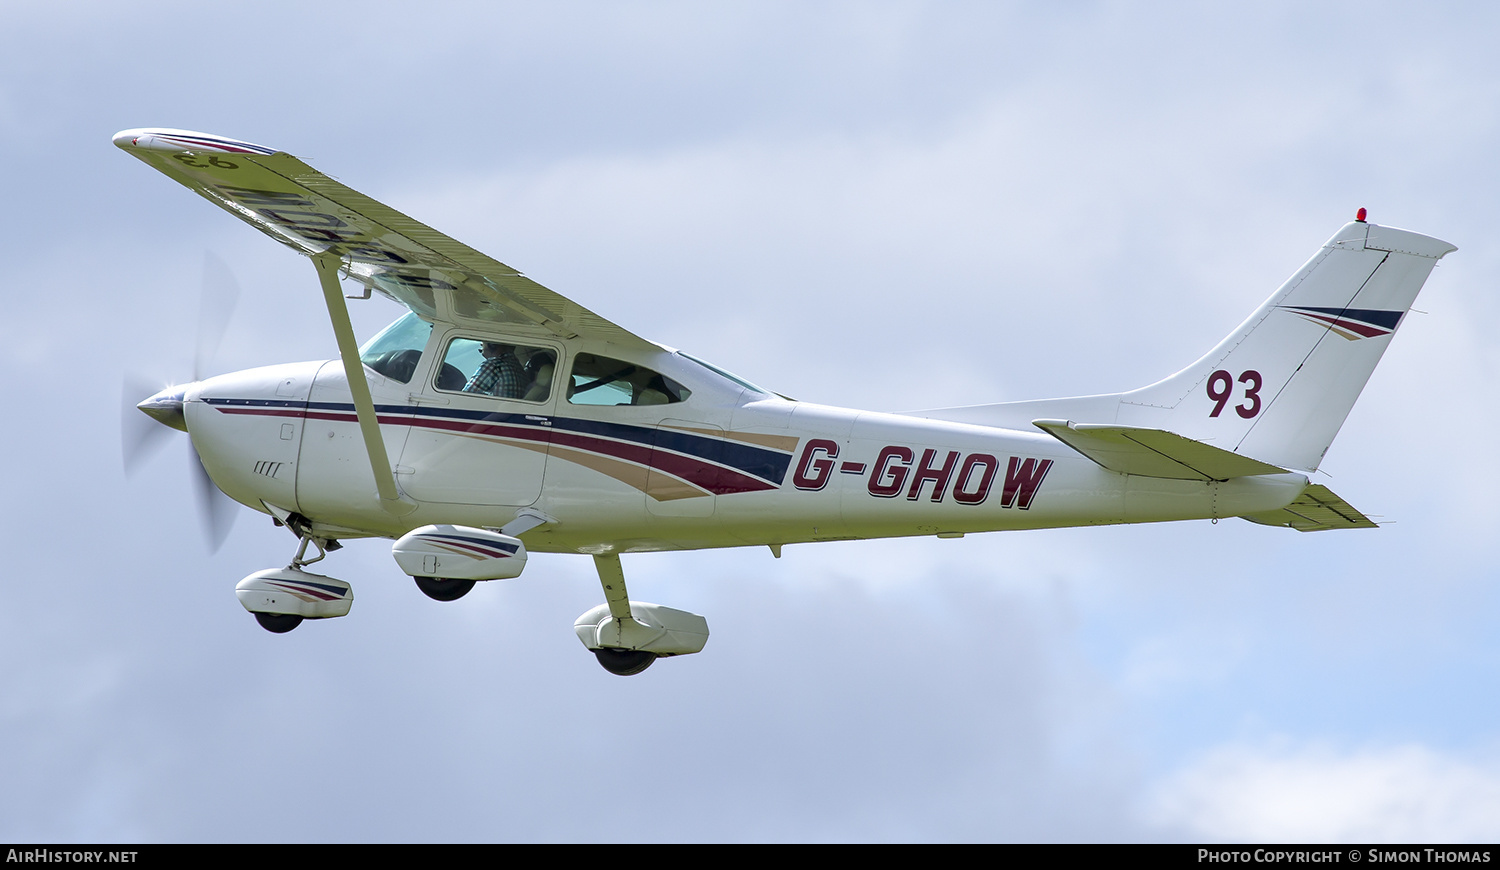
<point x="624" y="662"/>
<point x="279" y="623"/>
<point x="439" y="589"/>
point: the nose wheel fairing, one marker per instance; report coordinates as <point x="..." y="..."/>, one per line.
<point x="293" y="592"/>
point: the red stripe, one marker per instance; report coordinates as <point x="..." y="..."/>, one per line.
<point x="204" y="143"/>
<point x="718" y="479"/>
<point x="459" y="545"/>
<point x="1364" y="329"/>
<point x="316" y="593"/>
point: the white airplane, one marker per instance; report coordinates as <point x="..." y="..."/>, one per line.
<point x="498" y="418"/>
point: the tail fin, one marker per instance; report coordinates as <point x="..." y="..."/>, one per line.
<point x="1280" y="386"/>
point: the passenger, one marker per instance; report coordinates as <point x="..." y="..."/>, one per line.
<point x="500" y="374"/>
<point x="649" y="388"/>
<point x="539" y="367"/>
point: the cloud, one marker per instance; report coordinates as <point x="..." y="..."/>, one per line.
<point x="1321" y="793"/>
<point x="879" y="205"/>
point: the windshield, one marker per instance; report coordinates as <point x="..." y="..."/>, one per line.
<point x="720" y="372"/>
<point x="394" y="352"/>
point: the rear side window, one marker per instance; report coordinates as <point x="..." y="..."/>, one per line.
<point x="600" y="380"/>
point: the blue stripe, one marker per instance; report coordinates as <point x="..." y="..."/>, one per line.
<point x="766" y="464"/>
<point x="509" y="548"/>
<point x="1372" y="316"/>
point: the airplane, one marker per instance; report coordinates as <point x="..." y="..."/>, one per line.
<point x="497" y="418"/>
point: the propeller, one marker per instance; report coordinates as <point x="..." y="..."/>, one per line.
<point x="220" y="294"/>
<point x="149" y="413"/>
<point x="141" y="436"/>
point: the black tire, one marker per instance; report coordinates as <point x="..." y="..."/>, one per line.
<point x="439" y="589"/>
<point x="624" y="662"/>
<point x="278" y="623"/>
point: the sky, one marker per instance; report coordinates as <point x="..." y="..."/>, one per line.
<point x="876" y="205"/>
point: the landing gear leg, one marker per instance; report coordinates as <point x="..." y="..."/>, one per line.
<point x="323" y="547"/>
<point x="620" y="662"/>
<point x="627" y="636"/>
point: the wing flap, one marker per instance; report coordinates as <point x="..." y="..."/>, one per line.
<point x="1316" y="510"/>
<point x="1153" y="452"/>
<point x="432" y="274"/>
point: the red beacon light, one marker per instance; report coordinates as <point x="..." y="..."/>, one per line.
<point x="1360" y="215"/>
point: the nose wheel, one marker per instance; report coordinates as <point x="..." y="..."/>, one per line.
<point x="278" y="623"/>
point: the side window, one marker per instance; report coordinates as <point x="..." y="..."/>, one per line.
<point x="497" y="368"/>
<point x="599" y="380"/>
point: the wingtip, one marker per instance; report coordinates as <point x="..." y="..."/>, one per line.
<point x="127" y="138"/>
<point x="167" y="139"/>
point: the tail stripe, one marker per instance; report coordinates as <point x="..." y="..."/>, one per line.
<point x="1364" y="322"/>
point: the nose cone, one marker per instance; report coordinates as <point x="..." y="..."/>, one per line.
<point x="166" y="407"/>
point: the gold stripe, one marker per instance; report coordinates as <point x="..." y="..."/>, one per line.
<point x="785" y="443"/>
<point x="653" y="482"/>
<point x="659" y="486"/>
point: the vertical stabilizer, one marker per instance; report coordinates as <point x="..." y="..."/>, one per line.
<point x="1280" y="386"/>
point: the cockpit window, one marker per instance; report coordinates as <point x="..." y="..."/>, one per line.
<point x="497" y="368"/>
<point x="599" y="380"/>
<point x="395" y="351"/>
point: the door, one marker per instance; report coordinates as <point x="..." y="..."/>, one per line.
<point x="481" y="425"/>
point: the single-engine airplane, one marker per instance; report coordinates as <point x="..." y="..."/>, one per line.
<point x="498" y="418"/>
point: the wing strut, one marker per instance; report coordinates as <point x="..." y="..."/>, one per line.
<point x="327" y="264"/>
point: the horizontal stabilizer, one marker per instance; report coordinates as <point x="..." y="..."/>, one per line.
<point x="1316" y="510"/>
<point x="1153" y="452"/>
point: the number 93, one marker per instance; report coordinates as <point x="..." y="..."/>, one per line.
<point x="1221" y="388"/>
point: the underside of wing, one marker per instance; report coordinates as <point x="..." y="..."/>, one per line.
<point x="1153" y="452"/>
<point x="392" y="254"/>
<point x="1316" y="510"/>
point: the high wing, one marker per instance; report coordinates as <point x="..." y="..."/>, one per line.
<point x="433" y="275"/>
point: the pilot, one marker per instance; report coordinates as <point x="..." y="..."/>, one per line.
<point x="500" y="374"/>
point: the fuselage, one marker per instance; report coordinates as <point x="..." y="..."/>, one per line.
<point x="724" y="465"/>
